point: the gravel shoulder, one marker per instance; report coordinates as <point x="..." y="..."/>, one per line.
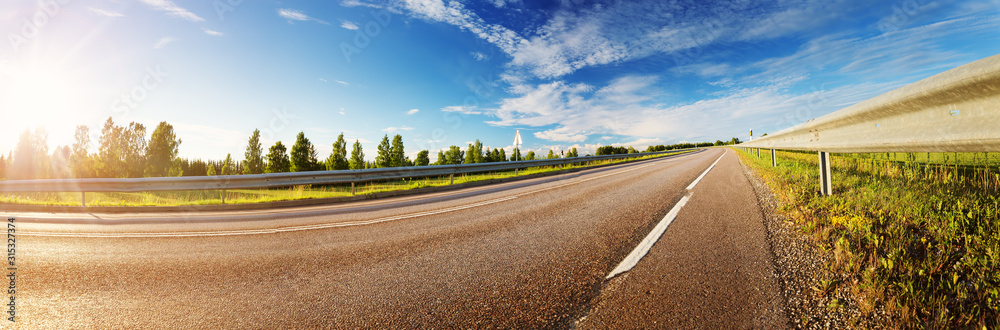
<point x="800" y="265"/>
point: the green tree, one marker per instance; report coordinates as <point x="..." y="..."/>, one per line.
<point x="122" y="150"/>
<point x="338" y="157"/>
<point x="30" y="156"/>
<point x="110" y="151"/>
<point x="211" y="170"/>
<point x="397" y="157"/>
<point x="552" y="155"/>
<point x="384" y="157"/>
<point x="80" y="160"/>
<point x="488" y="155"/>
<point x="470" y="155"/>
<point x="161" y="155"/>
<point x="277" y="159"/>
<point x="59" y="163"/>
<point x="735" y="141"/>
<point x="253" y="158"/>
<point x="357" y="157"/>
<point x="474" y="154"/>
<point x="441" y="159"/>
<point x="530" y="156"/>
<point x="136" y="144"/>
<point x="516" y="155"/>
<point x="572" y="153"/>
<point x="422" y="158"/>
<point x="228" y="168"/>
<point x="503" y="155"/>
<point x="454" y="155"/>
<point x="195" y="167"/>
<point x="303" y="155"/>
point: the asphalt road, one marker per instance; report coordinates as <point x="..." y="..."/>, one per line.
<point x="525" y="254"/>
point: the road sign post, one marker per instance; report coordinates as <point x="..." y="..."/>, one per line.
<point x="517" y="143"/>
<point x="825" y="181"/>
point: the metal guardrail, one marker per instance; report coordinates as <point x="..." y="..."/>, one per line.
<point x="272" y="180"/>
<point x="955" y="111"/>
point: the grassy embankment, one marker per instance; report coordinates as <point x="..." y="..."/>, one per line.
<point x="915" y="233"/>
<point x="246" y="196"/>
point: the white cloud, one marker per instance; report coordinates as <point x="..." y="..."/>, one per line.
<point x="462" y="109"/>
<point x="413" y="111"/>
<point x="755" y="91"/>
<point x="356" y="3"/>
<point x="793" y="17"/>
<point x="104" y="12"/>
<point x="342" y="112"/>
<point x="343" y="83"/>
<point x="622" y="108"/>
<point x="456" y="14"/>
<point x="577" y="36"/>
<point x="910" y="53"/>
<point x="561" y="134"/>
<point x="479" y="56"/>
<point x="172" y="9"/>
<point x="321" y="79"/>
<point x="295" y="15"/>
<point x="503" y="3"/>
<point x="163" y="42"/>
<point x="349" y="25"/>
<point x="392" y="130"/>
<point x="213" y="33"/>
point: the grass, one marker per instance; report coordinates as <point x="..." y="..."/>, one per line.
<point x="916" y="233"/>
<point x="248" y="196"/>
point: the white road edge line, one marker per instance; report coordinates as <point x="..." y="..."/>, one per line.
<point x="647" y="243"/>
<point x="695" y="182"/>
<point x="321" y="226"/>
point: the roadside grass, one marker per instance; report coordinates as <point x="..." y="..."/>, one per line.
<point x="249" y="196"/>
<point x="918" y="234"/>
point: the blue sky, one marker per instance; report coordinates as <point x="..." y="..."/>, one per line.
<point x="565" y="73"/>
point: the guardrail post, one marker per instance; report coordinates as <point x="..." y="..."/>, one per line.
<point x="825" y="181"/>
<point x="223" y="196"/>
<point x="758" y="152"/>
<point x="452" y="178"/>
<point x="774" y="158"/>
<point x="83" y="198"/>
<point x="352" y="188"/>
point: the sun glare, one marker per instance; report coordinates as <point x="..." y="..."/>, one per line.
<point x="39" y="95"/>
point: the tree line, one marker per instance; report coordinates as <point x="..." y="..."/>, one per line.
<point x="123" y="151"/>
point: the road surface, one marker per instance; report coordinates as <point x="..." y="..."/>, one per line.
<point x="528" y="254"/>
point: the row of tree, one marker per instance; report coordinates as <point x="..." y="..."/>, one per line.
<point x="659" y="148"/>
<point x="124" y="152"/>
